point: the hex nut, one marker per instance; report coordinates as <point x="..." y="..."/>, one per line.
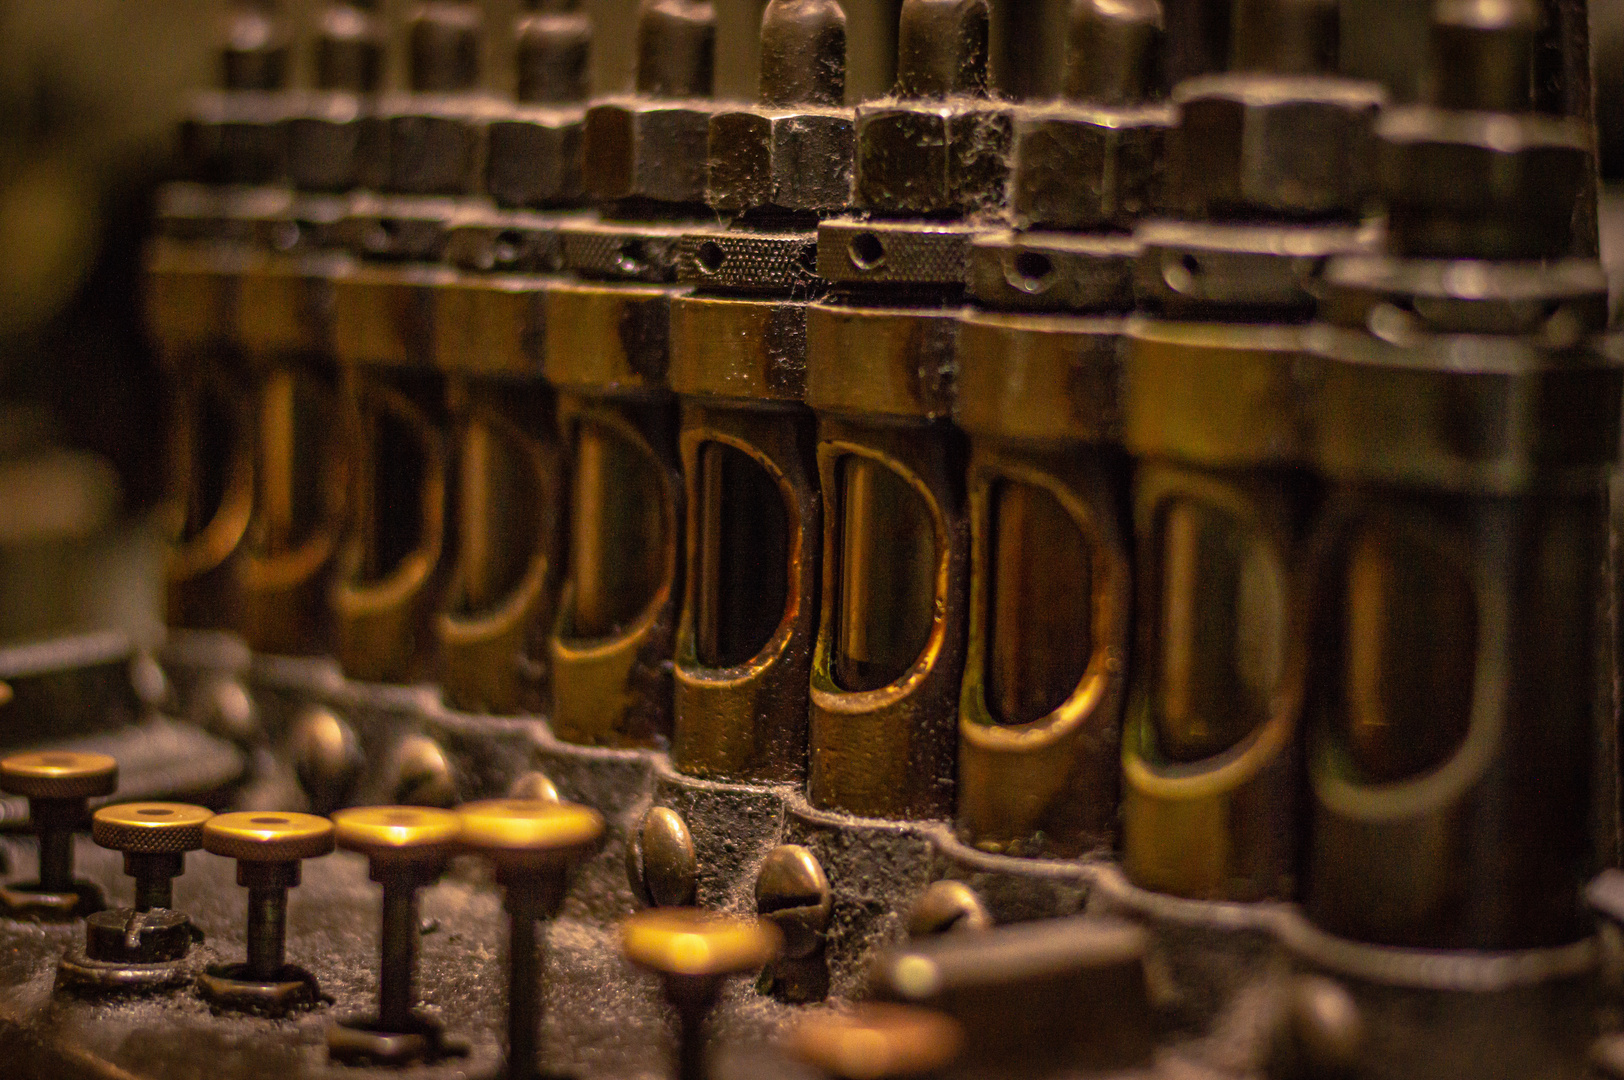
<point x="436" y="148"/>
<point x="534" y="157"/>
<point x="1249" y="144"/>
<point x="1480" y="185"/>
<point x="915" y="158"/>
<point x="647" y="149"/>
<point x="1088" y="168"/>
<point x="334" y="144"/>
<point x="788" y="160"/>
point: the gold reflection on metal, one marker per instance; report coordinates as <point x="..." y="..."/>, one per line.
<point x="887" y="576"/>
<point x="212" y="478"/>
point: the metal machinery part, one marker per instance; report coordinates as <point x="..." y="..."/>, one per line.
<point x="1118" y="583"/>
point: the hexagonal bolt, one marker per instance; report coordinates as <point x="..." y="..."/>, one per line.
<point x="532" y="846"/>
<point x="661" y="865"/>
<point x="676" y="48"/>
<point x="942" y="48"/>
<point x="443" y="47"/>
<point x="552" y="48"/>
<point x="1112" y="49"/>
<point x="1483" y="55"/>
<point x="1285" y="37"/>
<point x="693" y="951"/>
<point x="794" y="152"/>
<point x="877" y="1041"/>
<point x="793" y="892"/>
<point x="349" y="47"/>
<point x="255" y="56"/>
<point x="58" y="785"/>
<point x="803" y="53"/>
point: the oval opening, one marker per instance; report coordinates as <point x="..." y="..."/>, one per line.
<point x="617" y="531"/>
<point x="1032" y="272"/>
<point x="1221" y="630"/>
<point x="390" y="506"/>
<point x="743" y="557"/>
<point x="711" y="256"/>
<point x="297" y="416"/>
<point x="1409" y="653"/>
<point x="1040" y="604"/>
<point x="866" y="251"/>
<point x="208" y="453"/>
<point x="886" y="577"/>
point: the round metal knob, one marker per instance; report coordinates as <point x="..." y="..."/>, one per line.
<point x="517" y="833"/>
<point x="153" y="837"/>
<point x="260" y="837"/>
<point x="59" y="774"/>
<point x="876" y="1041"/>
<point x="687" y="941"/>
<point x="398" y="834"/>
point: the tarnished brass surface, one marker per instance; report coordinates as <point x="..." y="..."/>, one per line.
<point x="150" y="827"/>
<point x="58" y="774"/>
<point x="611" y="642"/>
<point x="889" y="361"/>
<point x="739" y="348"/>
<point x="881" y="732"/>
<point x="744" y="642"/>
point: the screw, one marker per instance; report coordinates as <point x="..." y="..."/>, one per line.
<point x="532" y="845"/>
<point x="1112" y="49"/>
<point x="1326" y="1027"/>
<point x="693" y="951"/>
<point x="1285" y="37"/>
<point x="876" y="1041"/>
<point x="660" y="860"/>
<point x="154" y="837"/>
<point x="407" y="848"/>
<point x="793" y="892"/>
<point x="676" y="45"/>
<point x="534" y="786"/>
<point x="945" y="906"/>
<point x="803" y="53"/>
<point x="58" y="785"/>
<point x="326" y="757"/>
<point x="942" y="48"/>
<point x="422" y="774"/>
<point x="268" y="848"/>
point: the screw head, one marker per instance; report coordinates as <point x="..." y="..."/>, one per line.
<point x="695" y="943"/>
<point x="1326" y="1026"/>
<point x="150" y="828"/>
<point x="398" y="834"/>
<point x="59" y="774"/>
<point x="533" y="786"/>
<point x="326" y="756"/>
<point x="876" y="1040"/>
<point x="422" y="774"/>
<point x="792" y="891"/>
<point x="660" y="860"/>
<point x="526" y="832"/>
<point x="945" y="906"/>
<point x="268" y="836"/>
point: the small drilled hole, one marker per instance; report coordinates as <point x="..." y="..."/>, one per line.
<point x="506" y="247"/>
<point x="866" y="251"/>
<point x="631" y="258"/>
<point x="269" y="821"/>
<point x="58" y="761"/>
<point x="711" y="256"/>
<point x="154" y="812"/>
<point x="1033" y="272"/>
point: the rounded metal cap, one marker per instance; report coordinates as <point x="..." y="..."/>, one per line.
<point x="397" y="833"/>
<point x="519" y="830"/>
<point x="874" y="1041"/>
<point x="268" y="836"/>
<point x="150" y="828"/>
<point x="687" y="941"/>
<point x="59" y="774"/>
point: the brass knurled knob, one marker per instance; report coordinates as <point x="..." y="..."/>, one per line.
<point x="57" y="784"/>
<point x="691" y="942"/>
<point x="153" y="837"/>
<point x="693" y="951"/>
<point x="59" y="774"/>
<point x="268" y="837"/>
<point x="398" y="833"/>
<point x="877" y="1041"/>
<point x="531" y="844"/>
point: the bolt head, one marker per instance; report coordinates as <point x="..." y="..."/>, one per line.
<point x="326" y="756"/>
<point x="661" y="863"/>
<point x="1086" y="169"/>
<point x="783" y="159"/>
<point x="947" y="906"/>
<point x="792" y="891"/>
<point x="644" y="149"/>
<point x="932" y="159"/>
<point x="1280" y="146"/>
<point x="535" y="158"/>
<point x="420" y="774"/>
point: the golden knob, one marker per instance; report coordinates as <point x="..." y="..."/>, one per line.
<point x="153" y="837"/>
<point x="59" y="774"/>
<point x="687" y="941"/>
<point x="268" y="837"/>
<point x="877" y="1041"/>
